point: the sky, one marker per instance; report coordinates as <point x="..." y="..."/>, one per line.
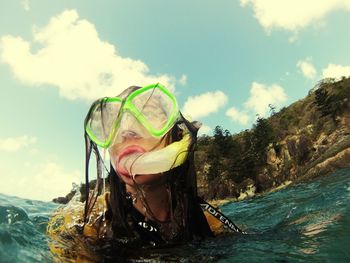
<point x="225" y="61"/>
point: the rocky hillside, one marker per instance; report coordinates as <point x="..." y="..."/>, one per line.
<point x="309" y="138"/>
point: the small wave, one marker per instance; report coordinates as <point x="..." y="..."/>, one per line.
<point x="12" y="214"/>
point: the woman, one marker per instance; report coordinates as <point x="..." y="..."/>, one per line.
<point x="151" y="194"/>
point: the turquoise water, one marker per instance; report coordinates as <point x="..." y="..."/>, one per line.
<point x="22" y="230"/>
<point x="301" y="223"/>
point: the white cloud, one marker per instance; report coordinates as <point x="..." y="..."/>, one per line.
<point x="237" y="116"/>
<point x="25" y="5"/>
<point x="307" y="68"/>
<point x="41" y="182"/>
<point x="204" y="129"/>
<point x="261" y="96"/>
<point x="183" y="80"/>
<point x="204" y="104"/>
<point x="293" y="38"/>
<point x="292" y="15"/>
<point x="72" y="57"/>
<point x="336" y="71"/>
<point x="14" y="144"/>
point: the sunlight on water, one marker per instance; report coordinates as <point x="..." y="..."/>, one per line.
<point x="301" y="223"/>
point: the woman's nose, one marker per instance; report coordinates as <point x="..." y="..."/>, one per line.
<point x="128" y="134"/>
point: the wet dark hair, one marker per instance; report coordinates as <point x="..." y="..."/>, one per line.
<point x="187" y="221"/>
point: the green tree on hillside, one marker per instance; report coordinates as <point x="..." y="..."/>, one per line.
<point x="263" y="135"/>
<point x="327" y="104"/>
<point x="219" y="152"/>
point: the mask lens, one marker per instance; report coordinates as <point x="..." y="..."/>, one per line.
<point x="155" y="106"/>
<point x="102" y="120"/>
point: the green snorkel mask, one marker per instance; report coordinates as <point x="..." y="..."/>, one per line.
<point x="148" y="112"/>
<point x="105" y="115"/>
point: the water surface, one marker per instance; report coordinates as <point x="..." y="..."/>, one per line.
<point x="301" y="223"/>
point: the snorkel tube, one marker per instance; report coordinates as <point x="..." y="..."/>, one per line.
<point x="157" y="161"/>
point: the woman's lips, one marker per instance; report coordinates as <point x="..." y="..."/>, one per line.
<point x="124" y="154"/>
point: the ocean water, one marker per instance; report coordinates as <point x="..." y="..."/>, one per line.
<point x="306" y="222"/>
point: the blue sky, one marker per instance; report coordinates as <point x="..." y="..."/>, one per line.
<point x="224" y="60"/>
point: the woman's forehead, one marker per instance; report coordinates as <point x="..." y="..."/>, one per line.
<point x="128" y="91"/>
<point x="152" y="100"/>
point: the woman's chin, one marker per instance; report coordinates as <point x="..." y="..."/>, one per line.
<point x="141" y="179"/>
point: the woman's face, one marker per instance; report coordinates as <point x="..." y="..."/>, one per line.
<point x="132" y="137"/>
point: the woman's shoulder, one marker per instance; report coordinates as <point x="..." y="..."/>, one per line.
<point x="65" y="228"/>
<point x="69" y="217"/>
<point x="66" y="217"/>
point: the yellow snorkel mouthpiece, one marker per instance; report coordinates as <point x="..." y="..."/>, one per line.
<point x="158" y="161"/>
